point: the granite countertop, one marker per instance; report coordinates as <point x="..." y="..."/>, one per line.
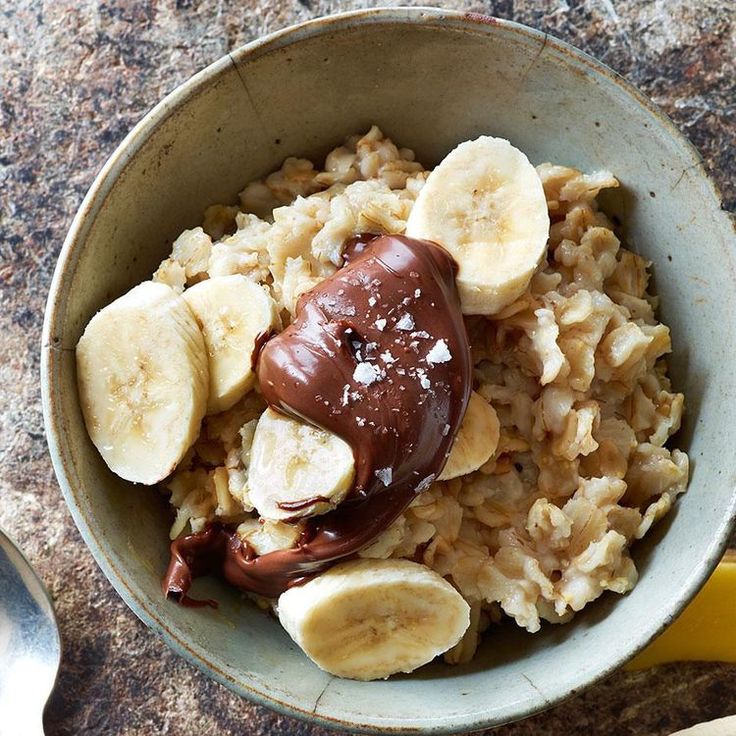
<point x="75" y="76"/>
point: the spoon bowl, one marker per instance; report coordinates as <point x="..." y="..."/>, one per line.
<point x="30" y="646"/>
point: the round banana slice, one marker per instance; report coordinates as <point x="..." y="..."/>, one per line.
<point x="369" y="619"/>
<point x="476" y="440"/>
<point x="297" y="469"/>
<point x="233" y="312"/>
<point x="143" y="378"/>
<point x="485" y="204"/>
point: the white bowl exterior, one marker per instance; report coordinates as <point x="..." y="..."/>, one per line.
<point x="430" y="79"/>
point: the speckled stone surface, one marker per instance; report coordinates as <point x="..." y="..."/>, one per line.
<point x="74" y="77"/>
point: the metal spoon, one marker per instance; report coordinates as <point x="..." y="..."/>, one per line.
<point x="30" y="647"/>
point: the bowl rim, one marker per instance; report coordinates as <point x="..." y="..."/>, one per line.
<point x="94" y="201"/>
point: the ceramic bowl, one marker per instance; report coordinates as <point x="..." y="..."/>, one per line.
<point x="430" y="79"/>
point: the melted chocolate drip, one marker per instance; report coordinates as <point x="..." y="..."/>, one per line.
<point x="378" y="355"/>
<point x="198" y="554"/>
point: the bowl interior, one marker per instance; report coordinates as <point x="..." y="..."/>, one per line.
<point x="430" y="80"/>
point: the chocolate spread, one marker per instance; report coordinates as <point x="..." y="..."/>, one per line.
<point x="378" y="355"/>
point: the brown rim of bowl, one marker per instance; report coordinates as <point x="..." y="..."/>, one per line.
<point x="94" y="201"/>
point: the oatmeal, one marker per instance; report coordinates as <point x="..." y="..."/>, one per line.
<point x="537" y="434"/>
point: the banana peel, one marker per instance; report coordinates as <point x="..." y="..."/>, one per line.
<point x="705" y="630"/>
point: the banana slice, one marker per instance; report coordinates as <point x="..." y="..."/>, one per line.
<point x="142" y="376"/>
<point x="269" y="536"/>
<point x="476" y="440"/>
<point x="296" y="469"/>
<point x="369" y="619"/>
<point x="485" y="204"/>
<point x="233" y="312"/>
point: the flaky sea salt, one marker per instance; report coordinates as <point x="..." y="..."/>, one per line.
<point x="384" y="475"/>
<point x="386" y="357"/>
<point x="439" y="353"/>
<point x="417" y="293"/>
<point x="423" y="380"/>
<point x="426" y="483"/>
<point x="380" y="324"/>
<point x="372" y="301"/>
<point x="406" y="322"/>
<point x="345" y="394"/>
<point x="366" y="373"/>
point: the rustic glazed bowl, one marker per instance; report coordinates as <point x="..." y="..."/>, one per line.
<point x="430" y="79"/>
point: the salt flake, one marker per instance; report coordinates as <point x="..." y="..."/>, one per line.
<point x="439" y="353"/>
<point x="406" y="322"/>
<point x="423" y="380"/>
<point x="366" y="373"/>
<point x="426" y="483"/>
<point x="384" y="475"/>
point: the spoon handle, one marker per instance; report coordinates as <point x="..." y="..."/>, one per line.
<point x="30" y="647"/>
